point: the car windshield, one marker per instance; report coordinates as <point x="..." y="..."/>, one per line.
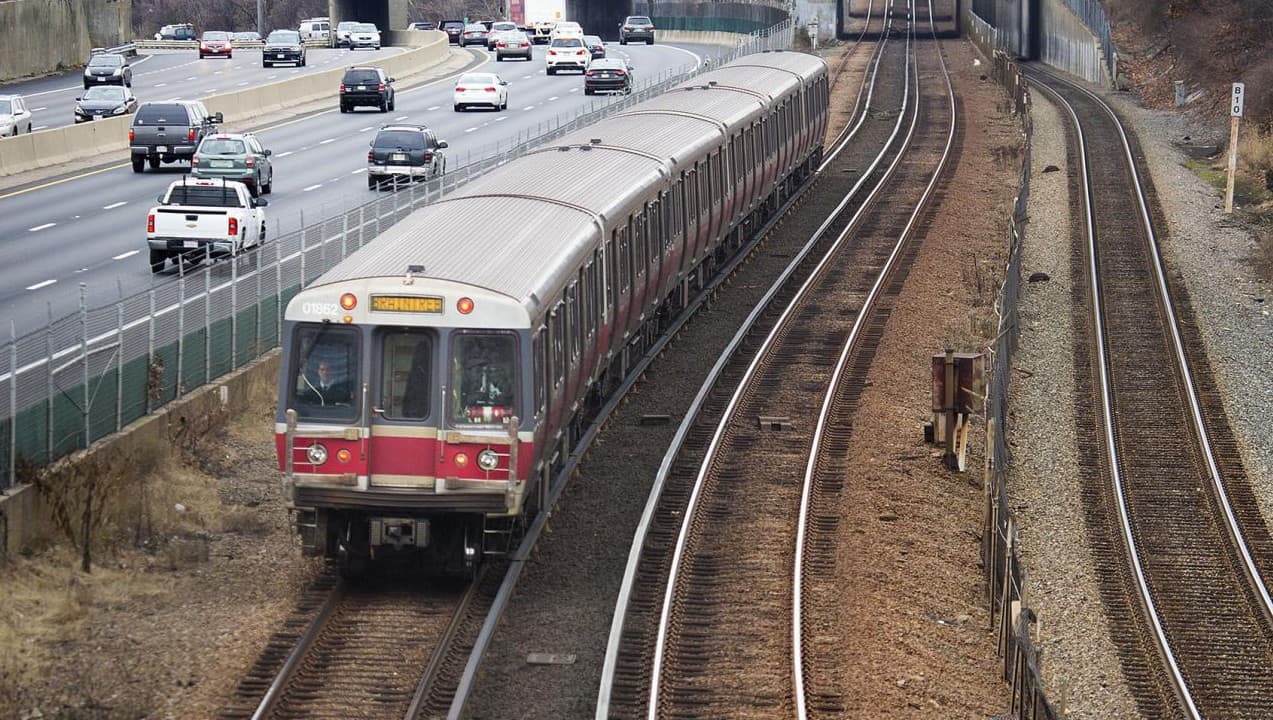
<point x="607" y="64"/>
<point x="478" y="79"/>
<point x="6" y="107"/>
<point x="101" y="92"/>
<point x="221" y="146"/>
<point x="347" y="25"/>
<point x="216" y="36"/>
<point x="639" y="20"/>
<point x="567" y="42"/>
<point x="284" y="36"/>
<point x="400" y="139"/>
<point x="106" y="61"/>
<point x="161" y="114"/>
<point x="504" y="26"/>
<point x="475" y="28"/>
<point x="452" y="24"/>
<point x="365" y="27"/>
<point x="361" y="77"/>
<point x="592" y="40"/>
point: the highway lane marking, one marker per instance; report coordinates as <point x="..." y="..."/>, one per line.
<point x="112" y="206"/>
<point x="38" y="228"/>
<point x="174" y="99"/>
<point x="366" y="129"/>
<point x="128" y="254"/>
<point x="282" y="124"/>
<point x="270" y="77"/>
<point x="527" y="77"/>
<point x="191" y="77"/>
<point x="39" y="285"/>
<point x="554" y="97"/>
<point x="470" y="130"/>
<point x="328" y="140"/>
<point x="501" y="118"/>
<point x="38" y="127"/>
<point x="402" y="117"/>
<point x="159" y="85"/>
<point x="212" y="91"/>
<point x="435" y="107"/>
<point x="529" y="107"/>
<point x="81" y="87"/>
<point x="218" y="72"/>
<point x="359" y="170"/>
<point x="242" y="84"/>
<point x="312" y="187"/>
<point x="38" y="109"/>
<point x="574" y="89"/>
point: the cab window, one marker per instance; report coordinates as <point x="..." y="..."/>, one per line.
<point x="483" y="382"/>
<point x="325" y="373"/>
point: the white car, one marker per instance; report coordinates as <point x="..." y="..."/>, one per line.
<point x="486" y="89"/>
<point x="568" y="53"/>
<point x="365" y="35"/>
<point x="15" y="118"/>
<point x="565" y="28"/>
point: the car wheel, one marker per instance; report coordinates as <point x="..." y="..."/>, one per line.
<point x="552" y="71"/>
<point x="344" y="108"/>
<point x="268" y="187"/>
<point x="499" y="58"/>
<point x="154" y="162"/>
<point x="303" y="62"/>
<point x="371" y="183"/>
<point x="458" y="108"/>
<point x="623" y="41"/>
<point x="384" y="106"/>
<point x="268" y="65"/>
<point x="157" y="260"/>
<point x="650" y="41"/>
<point x="139" y="164"/>
<point x="587" y="91"/>
<point x="392" y="103"/>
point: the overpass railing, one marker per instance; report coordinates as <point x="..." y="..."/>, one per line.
<point x="90" y="374"/>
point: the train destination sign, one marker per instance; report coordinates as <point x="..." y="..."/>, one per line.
<point x="406" y="303"/>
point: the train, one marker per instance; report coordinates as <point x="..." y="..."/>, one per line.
<point x="433" y="382"/>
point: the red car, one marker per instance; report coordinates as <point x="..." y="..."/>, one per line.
<point x="216" y="44"/>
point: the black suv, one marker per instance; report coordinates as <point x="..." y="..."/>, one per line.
<point x="401" y="153"/>
<point x="366" y="86"/>
<point x="636" y="27"/>
<point x="283" y="46"/>
<point x="168" y="132"/>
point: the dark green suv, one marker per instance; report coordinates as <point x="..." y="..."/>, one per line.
<point x="235" y="156"/>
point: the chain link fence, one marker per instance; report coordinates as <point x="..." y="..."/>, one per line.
<point x="88" y="375"/>
<point x="735" y="17"/>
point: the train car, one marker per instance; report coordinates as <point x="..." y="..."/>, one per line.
<point x="434" y="381"/>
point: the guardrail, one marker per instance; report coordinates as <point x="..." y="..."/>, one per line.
<point x="90" y="374"/>
<point x="194" y="44"/>
<point x="129" y="49"/>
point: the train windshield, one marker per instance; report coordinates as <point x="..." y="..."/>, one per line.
<point x="483" y="386"/>
<point x="406" y="374"/>
<point x="325" y="373"/>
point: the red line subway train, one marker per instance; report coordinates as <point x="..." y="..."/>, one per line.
<point x="433" y="381"/>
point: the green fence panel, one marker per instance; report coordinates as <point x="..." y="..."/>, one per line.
<point x="103" y="395"/>
<point x="33" y="435"/>
<point x="68" y="420"/>
<point x="135" y="389"/>
<point x="221" y="360"/>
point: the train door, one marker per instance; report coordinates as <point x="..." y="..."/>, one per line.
<point x="693" y="244"/>
<point x="639" y="263"/>
<point x="404" y="408"/>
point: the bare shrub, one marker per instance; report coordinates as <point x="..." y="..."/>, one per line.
<point x="245" y="521"/>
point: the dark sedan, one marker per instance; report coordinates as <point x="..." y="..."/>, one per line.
<point x="105" y="101"/>
<point x="608" y="75"/>
<point x="595" y="46"/>
<point x="453" y="29"/>
<point x="283" y="46"/>
<point x="107" y="69"/>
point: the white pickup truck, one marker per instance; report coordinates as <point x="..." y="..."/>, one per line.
<point x="198" y="218"/>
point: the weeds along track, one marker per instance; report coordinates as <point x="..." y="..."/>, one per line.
<point x="383" y="646"/>
<point x="1184" y="553"/>
<point x="707" y="624"/>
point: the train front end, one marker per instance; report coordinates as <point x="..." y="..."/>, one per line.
<point x="399" y="429"/>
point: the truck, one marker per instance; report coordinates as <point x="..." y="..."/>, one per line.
<point x="202" y="218"/>
<point x="538" y="16"/>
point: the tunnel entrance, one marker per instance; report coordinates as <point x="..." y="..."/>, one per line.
<point x="386" y="14"/>
<point x="599" y="17"/>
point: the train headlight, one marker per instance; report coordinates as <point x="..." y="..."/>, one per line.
<point x="317" y="454"/>
<point x="348" y="301"/>
<point x="487" y="460"/>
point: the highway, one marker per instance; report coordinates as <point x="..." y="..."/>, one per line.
<point x="89" y="227"/>
<point x="177" y="74"/>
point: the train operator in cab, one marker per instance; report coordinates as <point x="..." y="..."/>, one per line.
<point x="325" y="386"/>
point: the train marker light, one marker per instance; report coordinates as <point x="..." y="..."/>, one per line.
<point x="344" y="455"/>
<point x="464" y="305"/>
<point x="348" y="301"/>
<point x="461" y="460"/>
<point x="348" y="319"/>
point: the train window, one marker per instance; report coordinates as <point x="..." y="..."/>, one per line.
<point x="639" y="242"/>
<point x="406" y="374"/>
<point x="625" y="261"/>
<point x="674" y="231"/>
<point x="572" y="320"/>
<point x="656" y="229"/>
<point x="326" y="373"/>
<point x="612" y="265"/>
<point x="559" y="347"/>
<point x="691" y="198"/>
<point x="483" y="384"/>
<point x="541" y="370"/>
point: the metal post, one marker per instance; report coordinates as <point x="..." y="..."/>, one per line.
<point x="48" y="350"/>
<point x="234" y="312"/>
<point x="278" y="291"/>
<point x="948" y="454"/>
<point x="260" y="17"/>
<point x="119" y="363"/>
<point x="13" y="403"/>
<point x="150" y="347"/>
<point x="207" y="325"/>
<point x="84" y="352"/>
<point x="181" y="331"/>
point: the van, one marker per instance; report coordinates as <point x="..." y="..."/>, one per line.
<point x="316" y="29"/>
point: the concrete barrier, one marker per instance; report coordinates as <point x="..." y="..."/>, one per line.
<point x="101" y="137"/>
<point x="699" y="37"/>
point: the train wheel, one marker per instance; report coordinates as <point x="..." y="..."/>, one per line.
<point x="351" y="554"/>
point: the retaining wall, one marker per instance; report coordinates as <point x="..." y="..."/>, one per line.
<point x="42" y="36"/>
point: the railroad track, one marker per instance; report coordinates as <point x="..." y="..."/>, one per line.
<point x="710" y="621"/>
<point x="1184" y="552"/>
<point x="383" y="647"/>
